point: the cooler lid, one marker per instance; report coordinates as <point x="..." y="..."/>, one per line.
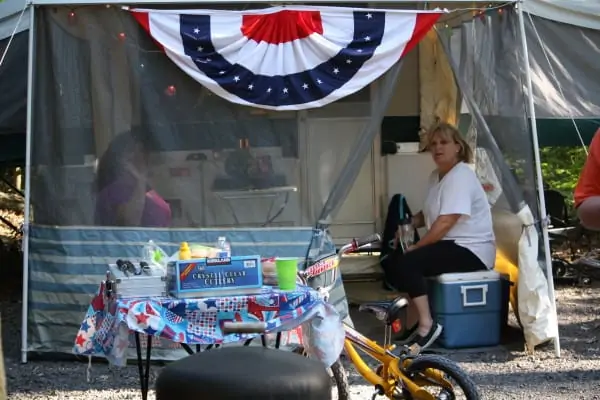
<point x="468" y="276"/>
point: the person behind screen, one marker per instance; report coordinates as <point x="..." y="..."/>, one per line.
<point x="587" y="190"/>
<point x="124" y="196"/>
<point x="459" y="237"/>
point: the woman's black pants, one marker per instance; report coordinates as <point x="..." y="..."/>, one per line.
<point x="408" y="272"/>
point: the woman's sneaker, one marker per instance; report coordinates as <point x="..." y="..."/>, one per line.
<point x="420" y="343"/>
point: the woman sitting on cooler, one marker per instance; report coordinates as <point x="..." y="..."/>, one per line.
<point x="459" y="234"/>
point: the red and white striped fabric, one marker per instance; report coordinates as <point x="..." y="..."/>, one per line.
<point x="286" y="58"/>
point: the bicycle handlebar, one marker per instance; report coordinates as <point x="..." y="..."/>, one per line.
<point x="367" y="240"/>
<point x="321" y="267"/>
<point x="244" y="327"/>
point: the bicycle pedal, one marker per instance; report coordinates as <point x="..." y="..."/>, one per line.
<point x="375" y="395"/>
<point x="378" y="392"/>
<point x="407" y="351"/>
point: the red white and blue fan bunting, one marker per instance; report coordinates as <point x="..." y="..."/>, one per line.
<point x="286" y="58"/>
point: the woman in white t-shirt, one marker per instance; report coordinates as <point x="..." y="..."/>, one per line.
<point x="459" y="234"/>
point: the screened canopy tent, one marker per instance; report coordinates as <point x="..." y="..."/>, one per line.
<point x="224" y="143"/>
<point x="14" y="24"/>
<point x="266" y="153"/>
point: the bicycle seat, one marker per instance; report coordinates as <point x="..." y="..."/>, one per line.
<point x="244" y="373"/>
<point x="386" y="310"/>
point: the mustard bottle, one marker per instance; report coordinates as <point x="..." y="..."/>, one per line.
<point x="184" y="251"/>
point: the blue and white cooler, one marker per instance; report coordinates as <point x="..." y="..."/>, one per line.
<point x="469" y="306"/>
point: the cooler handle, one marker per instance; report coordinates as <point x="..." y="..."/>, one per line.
<point x="465" y="289"/>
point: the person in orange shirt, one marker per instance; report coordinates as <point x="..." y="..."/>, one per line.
<point x="587" y="191"/>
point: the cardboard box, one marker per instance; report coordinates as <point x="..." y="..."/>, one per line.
<point x="215" y="277"/>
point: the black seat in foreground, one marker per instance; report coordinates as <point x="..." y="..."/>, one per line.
<point x="244" y="373"/>
<point x="386" y="310"/>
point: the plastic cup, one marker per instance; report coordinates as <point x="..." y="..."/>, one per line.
<point x="287" y="269"/>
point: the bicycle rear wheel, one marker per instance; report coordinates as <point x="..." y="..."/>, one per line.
<point x="418" y="371"/>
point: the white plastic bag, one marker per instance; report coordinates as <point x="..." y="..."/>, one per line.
<point x="536" y="312"/>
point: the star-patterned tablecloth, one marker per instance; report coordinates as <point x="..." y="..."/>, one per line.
<point x="108" y="323"/>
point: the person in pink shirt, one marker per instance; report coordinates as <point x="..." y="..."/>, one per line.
<point x="124" y="196"/>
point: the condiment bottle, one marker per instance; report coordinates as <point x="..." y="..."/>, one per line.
<point x="184" y="251"/>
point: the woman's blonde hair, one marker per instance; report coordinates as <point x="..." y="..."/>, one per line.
<point x="448" y="131"/>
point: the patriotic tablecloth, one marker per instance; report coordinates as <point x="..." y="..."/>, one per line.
<point x="107" y="324"/>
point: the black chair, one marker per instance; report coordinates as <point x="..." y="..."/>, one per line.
<point x="560" y="223"/>
<point x="244" y="373"/>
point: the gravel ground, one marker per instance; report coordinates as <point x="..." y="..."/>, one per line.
<point x="503" y="373"/>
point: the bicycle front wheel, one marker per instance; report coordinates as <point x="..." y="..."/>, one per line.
<point x="341" y="380"/>
<point x="338" y="373"/>
<point x="426" y="371"/>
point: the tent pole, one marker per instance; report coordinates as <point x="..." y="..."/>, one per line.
<point x="346" y="3"/>
<point x="25" y="305"/>
<point x="538" y="170"/>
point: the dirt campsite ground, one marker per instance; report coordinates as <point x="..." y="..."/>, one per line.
<point x="504" y="372"/>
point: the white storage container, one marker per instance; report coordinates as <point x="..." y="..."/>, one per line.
<point x="151" y="283"/>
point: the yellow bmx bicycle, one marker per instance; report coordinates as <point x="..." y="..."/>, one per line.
<point x="398" y="374"/>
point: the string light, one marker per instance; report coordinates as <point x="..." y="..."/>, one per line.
<point x="171" y="90"/>
<point x="122" y="36"/>
<point x="72" y="17"/>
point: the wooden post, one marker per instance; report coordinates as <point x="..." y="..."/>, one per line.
<point x="438" y="91"/>
<point x="3" y="395"/>
<point x="18" y="178"/>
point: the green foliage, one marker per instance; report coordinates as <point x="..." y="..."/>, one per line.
<point x="561" y="167"/>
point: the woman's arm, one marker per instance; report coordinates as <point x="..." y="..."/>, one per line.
<point x="418" y="220"/>
<point x="440" y="227"/>
<point x="130" y="212"/>
<point x="589" y="213"/>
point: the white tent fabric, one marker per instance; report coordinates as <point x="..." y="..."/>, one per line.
<point x="9" y="16"/>
<point x="584" y="13"/>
